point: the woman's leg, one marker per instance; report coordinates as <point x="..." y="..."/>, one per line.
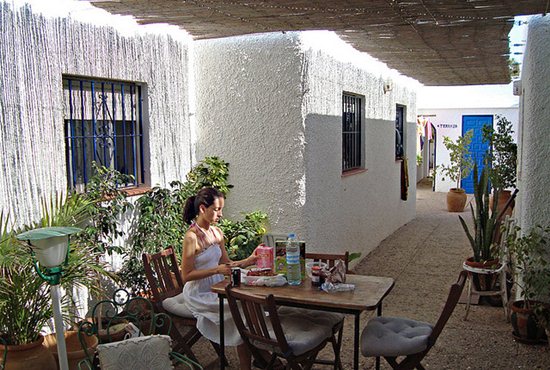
<point x="245" y="356"/>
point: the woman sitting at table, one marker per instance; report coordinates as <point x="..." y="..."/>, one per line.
<point x="204" y="263"/>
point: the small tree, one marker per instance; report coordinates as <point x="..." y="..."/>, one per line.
<point x="461" y="162"/>
<point x="503" y="154"/>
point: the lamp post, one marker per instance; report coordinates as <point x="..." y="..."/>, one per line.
<point x="50" y="250"/>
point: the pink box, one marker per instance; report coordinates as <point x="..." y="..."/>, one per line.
<point x="265" y="257"/>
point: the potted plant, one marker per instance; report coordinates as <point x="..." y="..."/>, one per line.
<point x="25" y="300"/>
<point x="531" y="263"/>
<point x="460" y="166"/>
<point x="481" y="237"/>
<point x="503" y="161"/>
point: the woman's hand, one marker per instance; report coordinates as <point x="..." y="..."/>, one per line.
<point x="224" y="269"/>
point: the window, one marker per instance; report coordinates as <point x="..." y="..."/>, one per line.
<point x="103" y="123"/>
<point x="399" y="138"/>
<point x="352" y="132"/>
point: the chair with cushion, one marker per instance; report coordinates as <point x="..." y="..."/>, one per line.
<point x="263" y="329"/>
<point x="131" y="336"/>
<point x="396" y="337"/>
<point x="166" y="283"/>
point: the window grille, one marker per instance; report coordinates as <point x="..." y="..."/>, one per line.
<point x="351" y="132"/>
<point x="399" y="146"/>
<point x="103" y="123"/>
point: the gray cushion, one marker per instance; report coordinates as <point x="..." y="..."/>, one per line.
<point x="176" y="305"/>
<point x="151" y="352"/>
<point x="394" y="336"/>
<point x="301" y="335"/>
<point x="330" y="319"/>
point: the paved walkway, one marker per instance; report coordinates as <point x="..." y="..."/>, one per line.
<point x="425" y="257"/>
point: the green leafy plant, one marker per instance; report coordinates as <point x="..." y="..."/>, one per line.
<point x="242" y="237"/>
<point x="104" y="191"/>
<point x="485" y="220"/>
<point x="419" y="160"/>
<point x="531" y="261"/>
<point x="211" y="171"/>
<point x="503" y="154"/>
<point x="461" y="162"/>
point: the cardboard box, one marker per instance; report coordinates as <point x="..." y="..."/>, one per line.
<point x="280" y="257"/>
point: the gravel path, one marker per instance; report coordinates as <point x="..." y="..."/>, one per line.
<point x="425" y="257"/>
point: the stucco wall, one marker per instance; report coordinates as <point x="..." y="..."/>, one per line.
<point x="448" y="122"/>
<point x="354" y="212"/>
<point x="534" y="143"/>
<point x="249" y="113"/>
<point x="34" y="54"/>
<point x="271" y="107"/>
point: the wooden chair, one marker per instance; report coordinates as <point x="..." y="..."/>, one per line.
<point x="330" y="259"/>
<point x="164" y="277"/>
<point x="128" y="330"/>
<point x="263" y="329"/>
<point x="393" y="337"/>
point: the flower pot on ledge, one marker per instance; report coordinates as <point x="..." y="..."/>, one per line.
<point x="456" y="200"/>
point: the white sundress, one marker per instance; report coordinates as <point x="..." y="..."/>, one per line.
<point x="204" y="304"/>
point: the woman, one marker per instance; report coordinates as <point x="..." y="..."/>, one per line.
<point x="204" y="263"/>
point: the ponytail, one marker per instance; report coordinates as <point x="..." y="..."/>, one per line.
<point x="189" y="212"/>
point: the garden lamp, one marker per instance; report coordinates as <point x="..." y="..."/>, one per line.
<point x="50" y="250"/>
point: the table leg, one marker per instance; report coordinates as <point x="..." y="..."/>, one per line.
<point x="222" y="337"/>
<point x="356" y="341"/>
<point x="379" y="313"/>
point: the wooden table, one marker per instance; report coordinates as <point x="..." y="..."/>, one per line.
<point x="367" y="296"/>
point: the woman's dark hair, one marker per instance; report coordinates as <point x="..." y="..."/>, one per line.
<point x="205" y="196"/>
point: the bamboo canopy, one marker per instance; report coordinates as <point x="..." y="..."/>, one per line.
<point x="438" y="42"/>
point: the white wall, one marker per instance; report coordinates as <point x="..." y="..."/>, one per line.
<point x="533" y="206"/>
<point x="448" y="122"/>
<point x="354" y="212"/>
<point x="271" y="107"/>
<point x="35" y="53"/>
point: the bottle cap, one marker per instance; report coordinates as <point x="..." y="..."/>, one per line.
<point x="292" y="236"/>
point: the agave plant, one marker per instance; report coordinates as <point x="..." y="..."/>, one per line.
<point x="485" y="219"/>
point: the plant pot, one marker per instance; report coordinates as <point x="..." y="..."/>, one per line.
<point x="503" y="198"/>
<point x="524" y="323"/>
<point x="456" y="200"/>
<point x="75" y="353"/>
<point x="484" y="282"/>
<point x="31" y="356"/>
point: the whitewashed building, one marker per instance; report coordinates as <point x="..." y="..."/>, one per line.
<point x="272" y="105"/>
<point x="449" y="122"/>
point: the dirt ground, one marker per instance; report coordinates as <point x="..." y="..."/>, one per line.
<point x="425" y="257"/>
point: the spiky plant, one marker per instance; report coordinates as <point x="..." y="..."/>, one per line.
<point x="485" y="219"/>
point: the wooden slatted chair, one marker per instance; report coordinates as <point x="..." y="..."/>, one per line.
<point x="330" y="259"/>
<point x="164" y="277"/>
<point x="262" y="328"/>
<point x="395" y="337"/>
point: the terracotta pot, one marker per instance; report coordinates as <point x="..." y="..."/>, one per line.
<point x="75" y="353"/>
<point x="456" y="200"/>
<point x="503" y="197"/>
<point x="524" y="323"/>
<point x="32" y="356"/>
<point x="484" y="282"/>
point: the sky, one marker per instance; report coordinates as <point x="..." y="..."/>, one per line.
<point x="487" y="96"/>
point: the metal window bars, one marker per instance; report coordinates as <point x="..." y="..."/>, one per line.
<point x="351" y="132"/>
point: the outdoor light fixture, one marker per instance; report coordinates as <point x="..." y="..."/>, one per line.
<point x="50" y="250"/>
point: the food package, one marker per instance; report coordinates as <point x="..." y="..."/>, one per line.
<point x="265" y="257"/>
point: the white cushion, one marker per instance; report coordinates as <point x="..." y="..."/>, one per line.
<point x="301" y="335"/>
<point x="394" y="336"/>
<point x="150" y="352"/>
<point x="318" y="317"/>
<point x="176" y="305"/>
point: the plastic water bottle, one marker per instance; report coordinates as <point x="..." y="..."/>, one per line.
<point x="293" y="273"/>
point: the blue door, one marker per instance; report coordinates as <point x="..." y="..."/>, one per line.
<point x="478" y="148"/>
